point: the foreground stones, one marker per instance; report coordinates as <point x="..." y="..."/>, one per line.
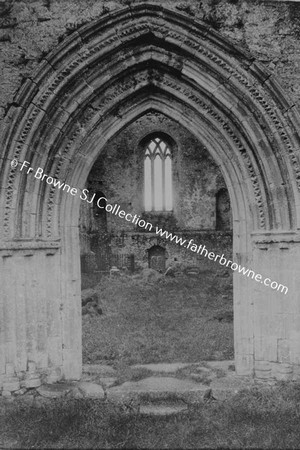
<point x="160" y="367"/>
<point x="55" y="390"/>
<point x="82" y="389"/>
<point x="168" y="391"/>
<point x="154" y="388"/>
<point x="91" y="390"/>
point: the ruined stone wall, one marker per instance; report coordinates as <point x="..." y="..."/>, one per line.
<point x="118" y="174"/>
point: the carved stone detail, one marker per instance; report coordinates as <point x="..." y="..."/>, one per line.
<point x="111" y="96"/>
<point x="123" y="35"/>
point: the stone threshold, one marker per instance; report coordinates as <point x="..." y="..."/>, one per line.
<point x="163" y="388"/>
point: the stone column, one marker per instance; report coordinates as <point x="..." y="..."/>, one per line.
<point x="40" y="316"/>
<point x="277" y="307"/>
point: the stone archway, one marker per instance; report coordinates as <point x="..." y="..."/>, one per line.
<point x="101" y="78"/>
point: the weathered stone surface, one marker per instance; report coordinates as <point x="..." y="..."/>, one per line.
<point x="6" y="394"/>
<point x="11" y="385"/>
<point x="31" y="383"/>
<point x="55" y="390"/>
<point x="221" y="365"/>
<point x="76" y="393"/>
<point x="92" y="390"/>
<point x="158" y="388"/>
<point x="162" y="367"/>
<point x="54" y="376"/>
<point x="20" y="391"/>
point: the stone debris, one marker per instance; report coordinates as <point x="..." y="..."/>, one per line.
<point x="152" y="394"/>
<point x="90" y="302"/>
<point x="20" y="391"/>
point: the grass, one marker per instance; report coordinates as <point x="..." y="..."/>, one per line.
<point x="168" y="320"/>
<point x="259" y="418"/>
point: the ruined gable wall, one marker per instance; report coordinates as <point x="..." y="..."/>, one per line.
<point x="118" y="174"/>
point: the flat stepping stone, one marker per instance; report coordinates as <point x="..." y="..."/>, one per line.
<point x="162" y="410"/>
<point x="55" y="390"/>
<point x="162" y="367"/>
<point x="158" y="388"/>
<point x="91" y="390"/>
<point x="99" y="369"/>
<point x="222" y="365"/>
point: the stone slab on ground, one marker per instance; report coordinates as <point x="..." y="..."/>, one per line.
<point x="11" y="384"/>
<point x="91" y="390"/>
<point x="31" y="383"/>
<point x="55" y="390"/>
<point x="154" y="388"/>
<point x="99" y="369"/>
<point x="162" y="367"/>
<point x="225" y="387"/>
<point x="222" y="365"/>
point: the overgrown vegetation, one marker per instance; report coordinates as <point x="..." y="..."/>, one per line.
<point x="260" y="418"/>
<point x="186" y="319"/>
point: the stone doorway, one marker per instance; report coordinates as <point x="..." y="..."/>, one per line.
<point x="226" y="98"/>
<point x="157" y="258"/>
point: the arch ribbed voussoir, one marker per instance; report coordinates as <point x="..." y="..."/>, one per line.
<point x="208" y="119"/>
<point x="259" y="118"/>
<point x="185" y="96"/>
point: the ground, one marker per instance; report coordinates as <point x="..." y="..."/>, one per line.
<point x="263" y="417"/>
<point x="149" y="318"/>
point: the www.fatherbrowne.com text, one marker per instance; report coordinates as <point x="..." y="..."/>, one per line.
<point x="101" y="203"/>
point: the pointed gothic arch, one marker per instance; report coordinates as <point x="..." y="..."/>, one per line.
<point x="101" y="78"/>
